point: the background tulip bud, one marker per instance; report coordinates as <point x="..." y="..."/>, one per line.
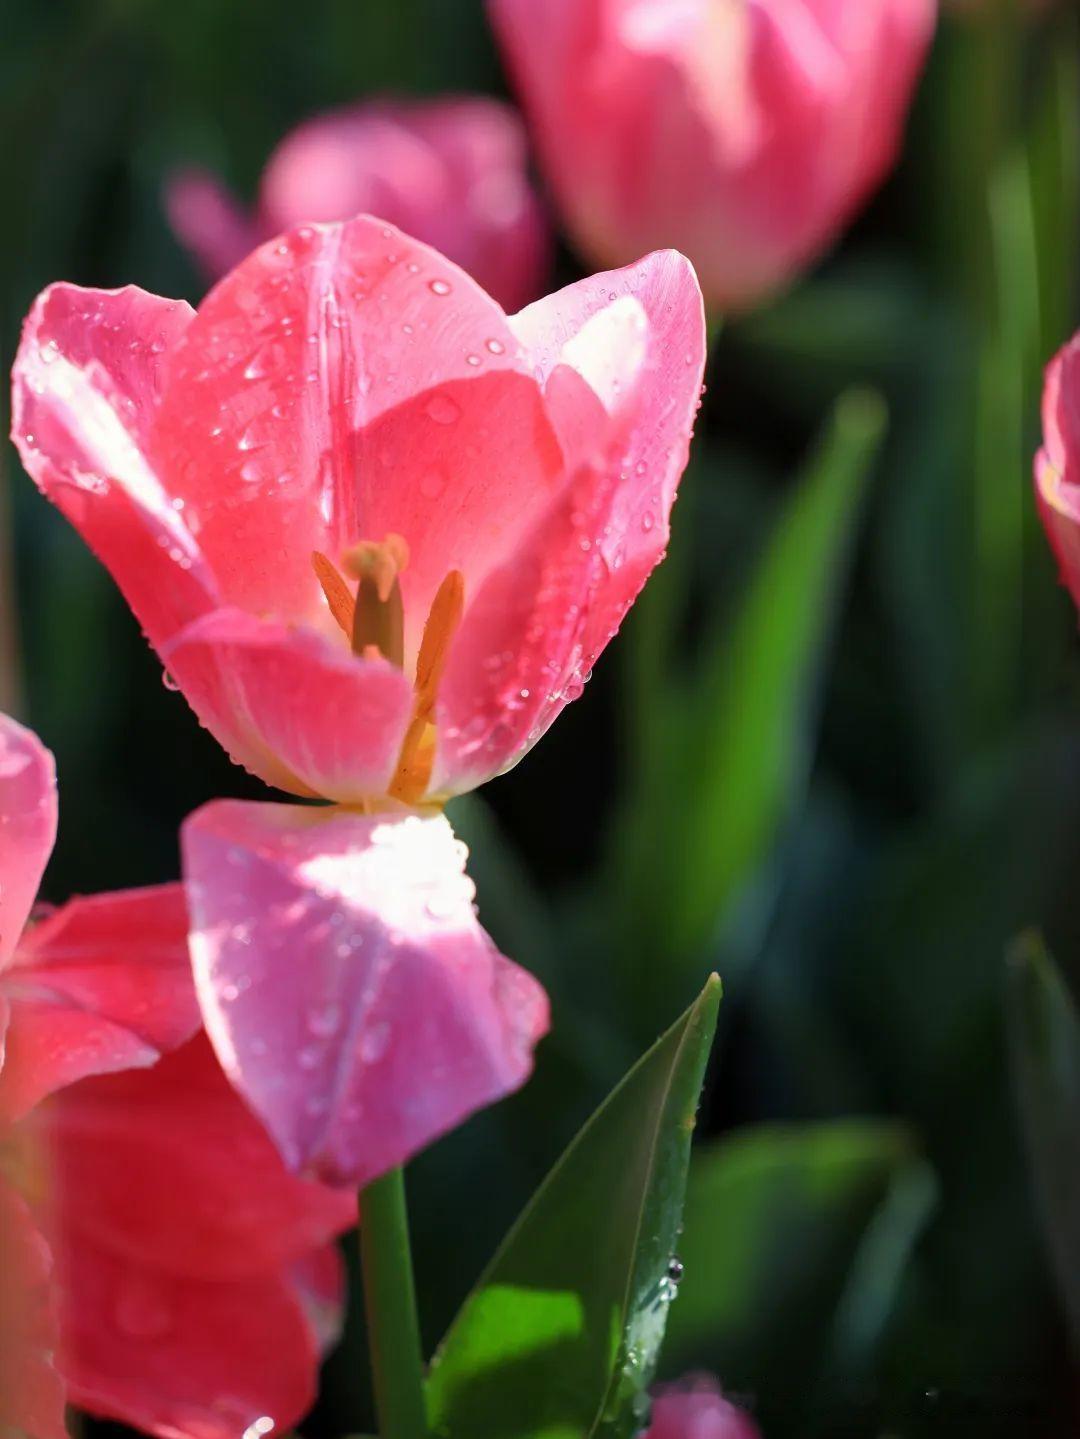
<point x="743" y="134"/>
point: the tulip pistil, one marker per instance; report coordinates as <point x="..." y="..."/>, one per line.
<point x="373" y="619"/>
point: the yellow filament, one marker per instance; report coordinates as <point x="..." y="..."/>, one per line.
<point x="418" y="748"/>
<point x="338" y="595"/>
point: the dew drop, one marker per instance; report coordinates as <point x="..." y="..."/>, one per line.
<point x="443" y="410"/>
<point x="439" y="287"/>
<point x="496" y="347"/>
<point x="324" y="1022"/>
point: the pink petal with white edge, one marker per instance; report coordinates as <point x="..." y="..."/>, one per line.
<point x="85" y="387"/>
<point x="102" y="984"/>
<point x="291" y="706"/>
<point x="31" y="1391"/>
<point x="350" y="993"/>
<point x="621" y="356"/>
<point x="27" y="827"/>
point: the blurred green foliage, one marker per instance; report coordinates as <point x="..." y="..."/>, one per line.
<point x="835" y="753"/>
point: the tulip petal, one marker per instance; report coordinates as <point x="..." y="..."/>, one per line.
<point x="27" y="830"/>
<point x="212" y="1200"/>
<point x="697" y="1409"/>
<point x="175" y="1356"/>
<point x="350" y="994"/>
<point x="31" y="1390"/>
<point x="291" y="706"/>
<point x="272" y="388"/>
<point x="85" y="386"/>
<point x="209" y="221"/>
<point x="1057" y="465"/>
<point x="102" y="984"/>
<point x="631" y="343"/>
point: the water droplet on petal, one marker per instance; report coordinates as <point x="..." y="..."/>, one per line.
<point x="439" y="287"/>
<point x="443" y="410"/>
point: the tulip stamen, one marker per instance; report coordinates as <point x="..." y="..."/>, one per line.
<point x="418" y="748"/>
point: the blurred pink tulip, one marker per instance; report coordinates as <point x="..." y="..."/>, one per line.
<point x="351" y="995"/>
<point x="1057" y="465"/>
<point x="153" y="1250"/>
<point x="377" y="531"/>
<point x="744" y="132"/>
<point x="450" y="172"/>
<point x="697" y="1409"/>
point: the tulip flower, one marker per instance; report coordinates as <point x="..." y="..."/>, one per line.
<point x="157" y="1263"/>
<point x="697" y="1409"/>
<point x="452" y="172"/>
<point x="745" y="132"/>
<point x="351" y="995"/>
<point x="1057" y="465"/>
<point x="378" y="531"/>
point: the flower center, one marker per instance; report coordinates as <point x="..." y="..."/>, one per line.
<point x="374" y="622"/>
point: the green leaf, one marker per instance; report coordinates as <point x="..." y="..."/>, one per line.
<point x="750" y="720"/>
<point x="559" y="1339"/>
<point x="1044" y="1033"/>
<point x="794" y="1245"/>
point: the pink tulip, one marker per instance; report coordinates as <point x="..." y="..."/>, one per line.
<point x="377" y="531"/>
<point x="157" y="1263"/>
<point x="1057" y="465"/>
<point x="697" y="1409"/>
<point x="745" y="132"/>
<point x="351" y="995"/>
<point x="451" y="172"/>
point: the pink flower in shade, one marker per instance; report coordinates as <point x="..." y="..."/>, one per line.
<point x="451" y="172"/>
<point x="157" y="1263"/>
<point x="351" y="995"/>
<point x="697" y="1409"/>
<point x="377" y="531"/>
<point x="744" y="132"/>
<point x="1057" y="465"/>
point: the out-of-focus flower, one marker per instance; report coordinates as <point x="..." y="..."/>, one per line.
<point x="351" y="994"/>
<point x="377" y="531"/>
<point x="744" y="132"/>
<point x="158" y="1265"/>
<point x="450" y="172"/>
<point x="1057" y="465"/>
<point x="697" y="1409"/>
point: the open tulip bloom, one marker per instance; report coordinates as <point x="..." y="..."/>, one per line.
<point x="379" y="533"/>
<point x="158" y="1264"/>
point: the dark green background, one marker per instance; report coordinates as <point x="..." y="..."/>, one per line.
<point x="906" y="766"/>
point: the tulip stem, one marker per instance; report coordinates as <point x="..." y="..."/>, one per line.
<point x="390" y="1305"/>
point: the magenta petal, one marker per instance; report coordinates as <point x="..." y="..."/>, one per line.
<point x="28" y="830"/>
<point x="349" y="991"/>
<point x="291" y="706"/>
<point x="103" y="984"/>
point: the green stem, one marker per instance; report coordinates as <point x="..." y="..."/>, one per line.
<point x="390" y="1305"/>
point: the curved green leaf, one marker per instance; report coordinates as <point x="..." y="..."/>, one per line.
<point x="1044" y="1032"/>
<point x="560" y="1337"/>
